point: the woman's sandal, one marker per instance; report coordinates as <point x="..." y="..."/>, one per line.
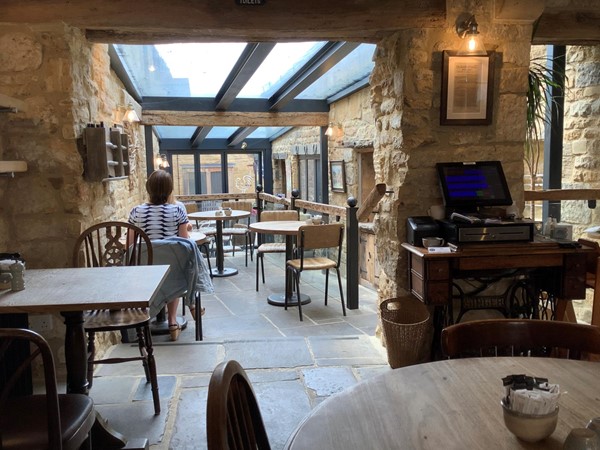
<point x="193" y="312"/>
<point x="174" y="330"/>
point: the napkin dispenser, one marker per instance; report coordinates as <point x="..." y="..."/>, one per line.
<point x="420" y="227"/>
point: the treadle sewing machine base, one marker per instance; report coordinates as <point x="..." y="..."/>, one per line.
<point x="431" y="276"/>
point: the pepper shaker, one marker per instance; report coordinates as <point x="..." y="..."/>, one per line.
<point x="17" y="281"/>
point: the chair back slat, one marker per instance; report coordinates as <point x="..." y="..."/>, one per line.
<point x="520" y="337"/>
<point x="233" y="418"/>
<point x="321" y="236"/>
<point x="279" y="215"/>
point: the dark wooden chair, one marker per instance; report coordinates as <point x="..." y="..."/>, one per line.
<point x="118" y="244"/>
<point x="42" y="421"/>
<point x="592" y="278"/>
<point x="271" y="247"/>
<point x="520" y="337"/>
<point x="233" y="419"/>
<point x="314" y="237"/>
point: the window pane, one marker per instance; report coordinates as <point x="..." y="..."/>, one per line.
<point x="210" y="167"/>
<point x="242" y="168"/>
<point x="184" y="179"/>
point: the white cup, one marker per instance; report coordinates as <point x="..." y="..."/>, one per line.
<point x="438" y="212"/>
<point x="433" y="242"/>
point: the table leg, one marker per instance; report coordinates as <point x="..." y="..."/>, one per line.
<point x="221" y="271"/>
<point x="279" y="299"/>
<point x="76" y="361"/>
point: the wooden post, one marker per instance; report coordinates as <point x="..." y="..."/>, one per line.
<point x="371" y="201"/>
<point x="352" y="244"/>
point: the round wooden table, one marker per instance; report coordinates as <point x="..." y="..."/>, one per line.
<point x="451" y="404"/>
<point x="220" y="271"/>
<point x="289" y="229"/>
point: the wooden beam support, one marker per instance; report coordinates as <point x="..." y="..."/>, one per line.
<point x="234" y="119"/>
<point x="562" y="194"/>
<point x="568" y="28"/>
<point x="371" y="201"/>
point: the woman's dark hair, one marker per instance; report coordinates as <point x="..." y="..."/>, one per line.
<point x="159" y="187"/>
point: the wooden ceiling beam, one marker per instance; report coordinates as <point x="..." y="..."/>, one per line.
<point x="568" y="28"/>
<point x="234" y="118"/>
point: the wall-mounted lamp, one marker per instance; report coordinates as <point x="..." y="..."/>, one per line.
<point x="330" y="129"/>
<point x="130" y="115"/>
<point x="472" y="42"/>
<point x="161" y="162"/>
<point x="244" y="145"/>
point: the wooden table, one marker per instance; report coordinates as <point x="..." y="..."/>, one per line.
<point x="70" y="292"/>
<point x="451" y="404"/>
<point x="289" y="229"/>
<point x="220" y="271"/>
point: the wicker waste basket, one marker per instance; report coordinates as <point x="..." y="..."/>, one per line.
<point x="407" y="330"/>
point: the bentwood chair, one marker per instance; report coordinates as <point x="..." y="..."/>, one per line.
<point x="314" y="237"/>
<point x="271" y="247"/>
<point x="240" y="230"/>
<point x="118" y="244"/>
<point x="520" y="337"/>
<point x="233" y="419"/>
<point x="43" y="421"/>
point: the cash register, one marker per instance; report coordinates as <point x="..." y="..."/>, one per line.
<point x="469" y="190"/>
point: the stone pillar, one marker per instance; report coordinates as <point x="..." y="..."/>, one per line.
<point x="405" y="93"/>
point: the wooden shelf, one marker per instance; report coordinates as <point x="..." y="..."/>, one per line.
<point x="13" y="166"/>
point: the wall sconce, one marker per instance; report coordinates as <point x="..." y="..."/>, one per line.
<point x="244" y="145"/>
<point x="330" y="129"/>
<point x="161" y="162"/>
<point x="473" y="44"/>
<point x="130" y="115"/>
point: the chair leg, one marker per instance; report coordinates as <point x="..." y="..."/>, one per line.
<point x="143" y="347"/>
<point x="326" y="285"/>
<point x="262" y="267"/>
<point x="198" y="306"/>
<point x="152" y="369"/>
<point x="258" y="257"/>
<point x="91" y="350"/>
<point x="297" y="276"/>
<point x="341" y="291"/>
<point x="207" y="255"/>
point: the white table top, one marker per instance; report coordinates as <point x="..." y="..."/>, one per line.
<point x="278" y="226"/>
<point x="451" y="404"/>
<point x="212" y="215"/>
<point x="81" y="289"/>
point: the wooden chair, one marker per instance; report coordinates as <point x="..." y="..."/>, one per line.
<point x="233" y="419"/>
<point x="592" y="278"/>
<point x="271" y="247"/>
<point x="520" y="337"/>
<point x="42" y="421"/>
<point x="240" y="229"/>
<point x="313" y="237"/>
<point x="103" y="245"/>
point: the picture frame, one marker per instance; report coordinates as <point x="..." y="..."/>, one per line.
<point x="467" y="88"/>
<point x="337" y="174"/>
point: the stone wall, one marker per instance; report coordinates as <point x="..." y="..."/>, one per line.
<point x="406" y="88"/>
<point x="65" y="83"/>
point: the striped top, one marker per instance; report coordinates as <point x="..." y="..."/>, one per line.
<point x="159" y="221"/>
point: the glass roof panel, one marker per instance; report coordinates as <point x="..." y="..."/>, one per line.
<point x="353" y="68"/>
<point x="180" y="70"/>
<point x="277" y="68"/>
<point x="175" y="132"/>
<point x="221" y="132"/>
<point x="264" y="132"/>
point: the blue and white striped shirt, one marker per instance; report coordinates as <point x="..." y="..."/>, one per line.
<point x="159" y="221"/>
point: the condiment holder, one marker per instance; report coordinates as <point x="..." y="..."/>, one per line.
<point x="227" y="211"/>
<point x="582" y="439"/>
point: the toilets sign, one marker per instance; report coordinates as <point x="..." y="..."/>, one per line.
<point x="250" y="2"/>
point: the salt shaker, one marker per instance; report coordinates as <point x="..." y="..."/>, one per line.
<point x="17" y="270"/>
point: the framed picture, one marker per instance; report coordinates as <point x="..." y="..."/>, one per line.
<point x="337" y="173"/>
<point x="467" y="85"/>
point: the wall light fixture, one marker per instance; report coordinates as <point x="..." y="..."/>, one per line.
<point x="331" y="128"/>
<point x="130" y="115"/>
<point x="472" y="43"/>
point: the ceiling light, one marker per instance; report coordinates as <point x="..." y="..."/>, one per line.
<point x="244" y="145"/>
<point x="473" y="44"/>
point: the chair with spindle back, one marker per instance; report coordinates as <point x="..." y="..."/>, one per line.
<point x="520" y="337"/>
<point x="118" y="244"/>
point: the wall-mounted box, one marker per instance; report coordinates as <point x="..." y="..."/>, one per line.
<point x="107" y="152"/>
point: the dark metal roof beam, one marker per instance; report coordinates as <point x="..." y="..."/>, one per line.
<point x="199" y="135"/>
<point x="280" y="133"/>
<point x="327" y="58"/>
<point x="239" y="135"/>
<point x="249" y="61"/>
<point x="117" y="65"/>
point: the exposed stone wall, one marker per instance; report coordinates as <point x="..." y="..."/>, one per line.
<point x="65" y="83"/>
<point x="406" y="88"/>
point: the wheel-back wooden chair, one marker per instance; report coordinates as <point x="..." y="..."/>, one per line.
<point x="271" y="247"/>
<point x="43" y="421"/>
<point x="592" y="277"/>
<point x="314" y="237"/>
<point x="240" y="230"/>
<point x="233" y="419"/>
<point x="118" y="244"/>
<point x="520" y="337"/>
